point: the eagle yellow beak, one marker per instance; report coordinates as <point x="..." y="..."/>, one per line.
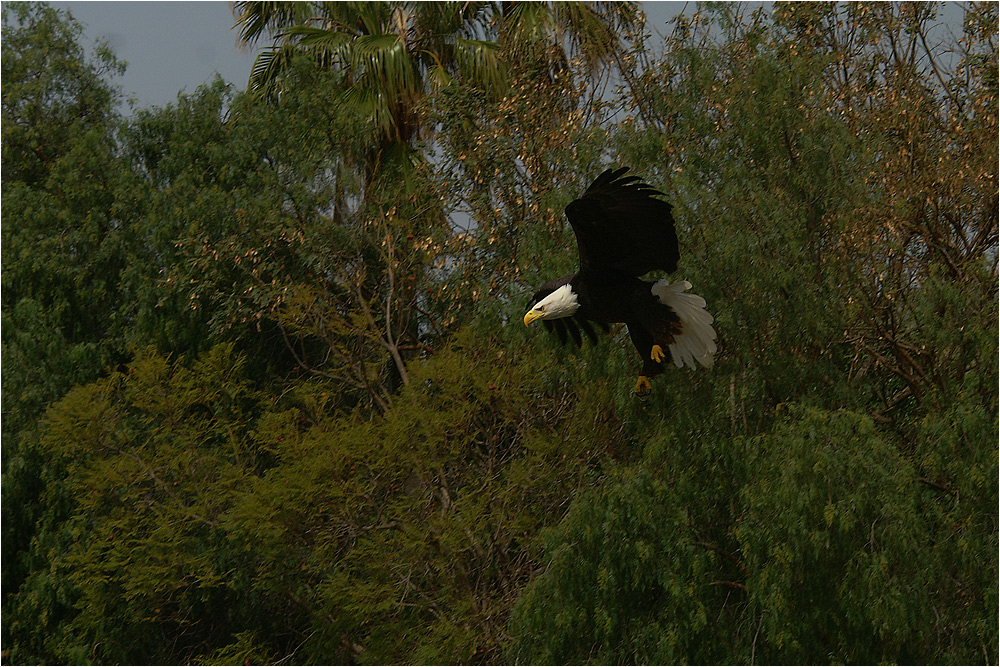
<point x="532" y="315"/>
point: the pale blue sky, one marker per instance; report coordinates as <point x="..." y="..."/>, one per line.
<point x="169" y="46"/>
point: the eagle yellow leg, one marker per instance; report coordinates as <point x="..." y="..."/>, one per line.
<point x="643" y="385"/>
<point x="657" y="354"/>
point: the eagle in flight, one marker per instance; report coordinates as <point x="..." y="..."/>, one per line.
<point x="622" y="232"/>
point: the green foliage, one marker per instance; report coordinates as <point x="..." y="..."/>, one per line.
<point x="62" y="247"/>
<point x="140" y="463"/>
<point x="54" y="99"/>
<point x="830" y="518"/>
<point x="144" y="464"/>
<point x="455" y="482"/>
<point x="627" y="581"/>
<point x="268" y="409"/>
<point x="188" y="505"/>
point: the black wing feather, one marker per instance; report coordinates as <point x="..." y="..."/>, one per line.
<point x="620" y="225"/>
<point x="589" y="330"/>
<point x="561" y="330"/>
<point x="570" y="326"/>
<point x="574" y="330"/>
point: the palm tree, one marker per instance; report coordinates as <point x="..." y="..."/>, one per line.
<point x="391" y="55"/>
<point x="590" y="30"/>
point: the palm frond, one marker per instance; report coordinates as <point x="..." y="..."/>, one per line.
<point x="257" y="19"/>
<point x="479" y="61"/>
<point x="387" y="64"/>
<point x="590" y="29"/>
<point x="374" y="105"/>
<point x="308" y="38"/>
<point x="266" y="70"/>
<point x="438" y="77"/>
<point x="373" y="18"/>
<point x="526" y="23"/>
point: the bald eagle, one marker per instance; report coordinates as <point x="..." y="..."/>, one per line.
<point x="624" y="231"/>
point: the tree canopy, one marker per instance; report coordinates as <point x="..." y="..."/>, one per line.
<point x="265" y="403"/>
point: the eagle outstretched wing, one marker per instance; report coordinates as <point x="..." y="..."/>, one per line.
<point x="620" y="225"/>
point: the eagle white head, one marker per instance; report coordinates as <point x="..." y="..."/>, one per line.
<point x="562" y="302"/>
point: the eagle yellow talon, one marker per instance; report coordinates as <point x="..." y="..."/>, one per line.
<point x="657" y="354"/>
<point x="642" y="385"/>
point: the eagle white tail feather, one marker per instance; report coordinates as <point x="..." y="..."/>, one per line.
<point x="697" y="342"/>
